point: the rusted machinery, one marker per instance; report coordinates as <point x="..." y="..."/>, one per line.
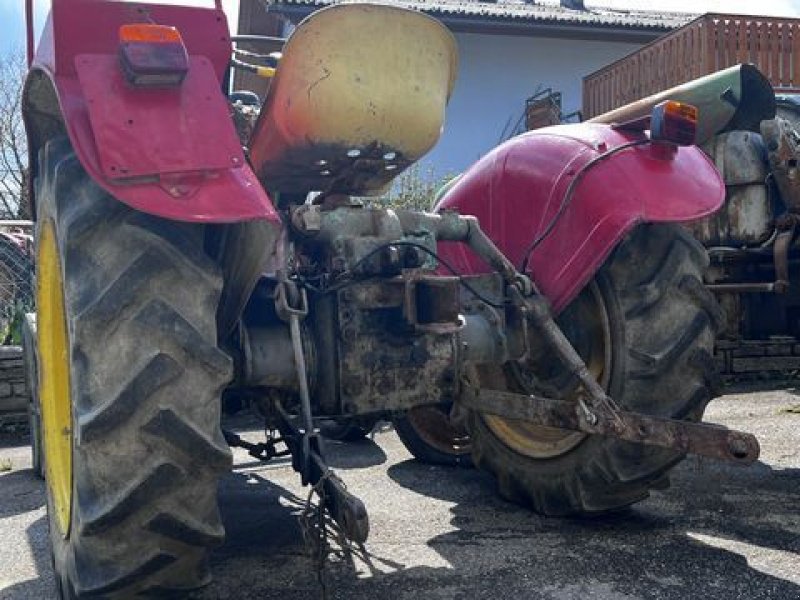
<point x="551" y="301"/>
<point x="749" y="239"/>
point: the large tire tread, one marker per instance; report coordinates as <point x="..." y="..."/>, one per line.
<point x="663" y="367"/>
<point x="147" y="374"/>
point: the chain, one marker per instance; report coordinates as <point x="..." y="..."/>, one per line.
<point x="263" y="452"/>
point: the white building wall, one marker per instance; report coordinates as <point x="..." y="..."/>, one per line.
<point x="496" y="74"/>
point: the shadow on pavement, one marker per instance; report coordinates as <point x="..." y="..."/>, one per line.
<point x="262" y="535"/>
<point x="701" y="538"/>
<point x="20" y="492"/>
<point x="15" y="440"/>
<point x="689" y="542"/>
<point x="43" y="586"/>
<point x="353" y="455"/>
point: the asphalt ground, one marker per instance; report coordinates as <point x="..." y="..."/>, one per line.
<point x="718" y="532"/>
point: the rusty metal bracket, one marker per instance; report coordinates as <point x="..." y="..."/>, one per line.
<point x="595" y="412"/>
<point x="290" y="300"/>
<point x="781" y="254"/>
<point x="538" y="313"/>
<point x="345" y="508"/>
<point x="287" y="298"/>
<point x="703" y="439"/>
<point x="786" y="226"/>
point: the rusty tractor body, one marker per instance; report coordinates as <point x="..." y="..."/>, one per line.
<point x="549" y="302"/>
<point x="752" y="242"/>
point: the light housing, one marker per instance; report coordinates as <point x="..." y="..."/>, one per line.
<point x="152" y="55"/>
<point x="674" y="122"/>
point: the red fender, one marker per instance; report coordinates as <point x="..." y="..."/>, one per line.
<point x="169" y="152"/>
<point x="517" y="189"/>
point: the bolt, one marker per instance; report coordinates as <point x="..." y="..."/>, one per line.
<point x="738" y="447"/>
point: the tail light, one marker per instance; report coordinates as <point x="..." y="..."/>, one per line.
<point x="674" y="122"/>
<point x="152" y="55"/>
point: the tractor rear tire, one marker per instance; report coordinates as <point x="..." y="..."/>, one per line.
<point x="144" y="375"/>
<point x="430" y="437"/>
<point x="660" y="322"/>
<point x="347" y="430"/>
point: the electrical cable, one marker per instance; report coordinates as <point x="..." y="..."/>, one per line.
<point x="350" y="272"/>
<point x="568" y="195"/>
<point x="271" y="59"/>
<point x="261" y="71"/>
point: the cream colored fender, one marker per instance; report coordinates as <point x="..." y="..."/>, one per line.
<point x="359" y="95"/>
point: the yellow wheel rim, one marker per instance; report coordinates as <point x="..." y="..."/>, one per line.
<point x="591" y="317"/>
<point x="54" y="377"/>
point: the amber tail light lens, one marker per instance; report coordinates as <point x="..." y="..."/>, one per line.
<point x="674" y="122"/>
<point x="152" y="55"/>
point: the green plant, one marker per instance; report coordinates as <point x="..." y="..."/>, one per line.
<point x="414" y="189"/>
<point x="11" y="330"/>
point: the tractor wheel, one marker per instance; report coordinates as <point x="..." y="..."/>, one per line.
<point x="346" y="430"/>
<point x="32" y="386"/>
<point x="130" y="384"/>
<point x="431" y="438"/>
<point x="645" y="328"/>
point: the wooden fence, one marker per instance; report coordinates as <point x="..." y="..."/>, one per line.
<point x="707" y="44"/>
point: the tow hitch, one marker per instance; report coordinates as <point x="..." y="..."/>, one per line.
<point x="704" y="439"/>
<point x="595" y="412"/>
<point x="347" y="510"/>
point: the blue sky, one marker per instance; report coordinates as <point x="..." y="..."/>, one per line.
<point x="12" y="17"/>
<point x="12" y="21"/>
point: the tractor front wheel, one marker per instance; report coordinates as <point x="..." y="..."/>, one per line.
<point x="130" y="379"/>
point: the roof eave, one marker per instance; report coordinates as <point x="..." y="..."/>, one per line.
<point x="517" y="26"/>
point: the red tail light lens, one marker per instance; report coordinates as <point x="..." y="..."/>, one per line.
<point x="674" y="122"/>
<point x="152" y="55"/>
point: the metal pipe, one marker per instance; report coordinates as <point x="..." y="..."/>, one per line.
<point x="258" y="38"/>
<point x="302" y="376"/>
<point x="29" y="30"/>
<point x="15" y="223"/>
<point x="268" y="358"/>
<point x="742" y="287"/>
<point x="739" y="97"/>
<point x="452" y="227"/>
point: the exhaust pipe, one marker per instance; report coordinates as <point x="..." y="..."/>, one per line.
<point x="739" y="97"/>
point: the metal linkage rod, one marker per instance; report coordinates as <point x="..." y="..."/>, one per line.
<point x="703" y="439"/>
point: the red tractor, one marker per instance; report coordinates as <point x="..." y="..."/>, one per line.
<point x="550" y="300"/>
